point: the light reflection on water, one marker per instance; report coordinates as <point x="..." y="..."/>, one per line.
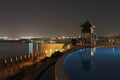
<point x="93" y="64"/>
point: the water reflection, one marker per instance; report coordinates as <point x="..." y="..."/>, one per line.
<point x="101" y="63"/>
<point x="87" y="56"/>
<point x="116" y="50"/>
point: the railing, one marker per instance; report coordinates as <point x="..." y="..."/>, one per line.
<point x="7" y="62"/>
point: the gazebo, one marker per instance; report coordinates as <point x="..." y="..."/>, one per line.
<point x="87" y="33"/>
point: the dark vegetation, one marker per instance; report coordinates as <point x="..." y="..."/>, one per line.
<point x="35" y="71"/>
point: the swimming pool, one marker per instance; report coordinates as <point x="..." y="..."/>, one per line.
<point x="101" y="63"/>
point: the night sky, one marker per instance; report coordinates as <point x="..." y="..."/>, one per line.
<point x="40" y="18"/>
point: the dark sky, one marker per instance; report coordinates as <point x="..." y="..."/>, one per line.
<point x="57" y="17"/>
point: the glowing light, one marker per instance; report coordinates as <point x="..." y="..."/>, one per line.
<point x="16" y="59"/>
<point x="113" y="49"/>
<point x="5" y="61"/>
<point x="92" y="53"/>
<point x="56" y="50"/>
<point x="11" y="59"/>
<point x="49" y="49"/>
<point x="63" y="37"/>
<point x="61" y="50"/>
<point x="46" y="51"/>
<point x="93" y="50"/>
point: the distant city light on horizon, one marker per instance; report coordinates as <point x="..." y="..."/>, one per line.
<point x="55" y="18"/>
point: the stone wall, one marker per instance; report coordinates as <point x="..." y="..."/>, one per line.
<point x="49" y="49"/>
<point x="45" y="50"/>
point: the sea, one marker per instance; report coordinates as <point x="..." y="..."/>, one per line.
<point x="11" y="49"/>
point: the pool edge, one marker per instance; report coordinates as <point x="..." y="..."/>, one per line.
<point x="59" y="66"/>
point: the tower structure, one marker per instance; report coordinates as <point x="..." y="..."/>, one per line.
<point x="87" y="33"/>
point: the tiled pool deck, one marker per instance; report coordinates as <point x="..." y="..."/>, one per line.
<point x="59" y="67"/>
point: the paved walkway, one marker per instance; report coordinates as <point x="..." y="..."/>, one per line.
<point x="49" y="74"/>
<point x="59" y="67"/>
<point x="47" y="70"/>
<point x="44" y="71"/>
<point x="8" y="71"/>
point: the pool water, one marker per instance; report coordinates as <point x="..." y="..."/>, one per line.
<point x="101" y="63"/>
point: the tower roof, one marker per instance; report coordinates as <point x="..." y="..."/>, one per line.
<point x="87" y="24"/>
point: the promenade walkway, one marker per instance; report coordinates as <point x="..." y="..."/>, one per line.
<point x="8" y="71"/>
<point x="49" y="74"/>
<point x="39" y="70"/>
<point x="59" y="67"/>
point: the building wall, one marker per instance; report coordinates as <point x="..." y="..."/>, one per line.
<point x="49" y="49"/>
